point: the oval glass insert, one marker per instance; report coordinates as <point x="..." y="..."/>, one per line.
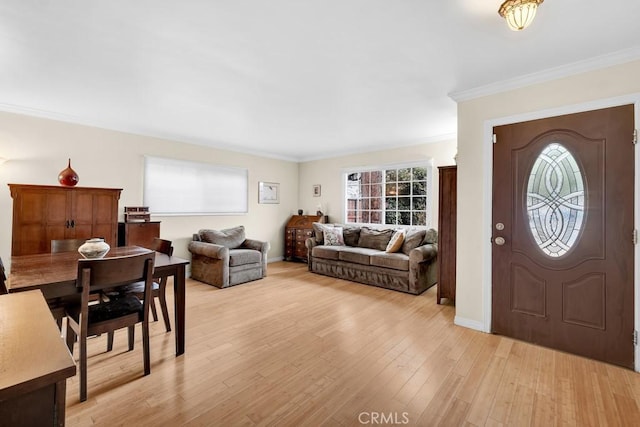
<point x="555" y="200"/>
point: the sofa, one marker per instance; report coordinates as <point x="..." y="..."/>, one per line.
<point x="224" y="258"/>
<point x="401" y="260"/>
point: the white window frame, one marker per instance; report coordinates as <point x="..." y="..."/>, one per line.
<point x="427" y="164"/>
<point x="183" y="187"/>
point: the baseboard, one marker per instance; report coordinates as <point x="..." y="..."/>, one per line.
<point x="469" y="323"/>
<point x="276" y="259"/>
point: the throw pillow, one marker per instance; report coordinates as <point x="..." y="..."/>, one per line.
<point x="333" y="236"/>
<point x="374" y="239"/>
<point x="395" y="244"/>
<point x="318" y="229"/>
<point x="230" y="238"/>
<point x="351" y="235"/>
<point x="412" y="240"/>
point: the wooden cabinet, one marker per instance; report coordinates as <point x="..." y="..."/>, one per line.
<point x="297" y="230"/>
<point x="138" y="233"/>
<point x="42" y="213"/>
<point x="447" y="211"/>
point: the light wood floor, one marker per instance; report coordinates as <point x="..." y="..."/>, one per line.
<point x="298" y="349"/>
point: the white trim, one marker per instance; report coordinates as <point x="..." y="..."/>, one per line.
<point x="488" y="186"/>
<point x="602" y="61"/>
<point x="469" y="323"/>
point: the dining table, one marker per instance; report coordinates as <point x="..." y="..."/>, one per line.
<point x="55" y="275"/>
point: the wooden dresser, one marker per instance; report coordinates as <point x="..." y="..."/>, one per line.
<point x="34" y="363"/>
<point x="297" y="230"/>
<point x="139" y="233"/>
<point x="447" y="211"/>
<point x="42" y="213"/>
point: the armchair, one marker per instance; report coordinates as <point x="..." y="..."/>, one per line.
<point x="224" y="258"/>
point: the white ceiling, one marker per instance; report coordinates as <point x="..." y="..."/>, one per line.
<point x="296" y="79"/>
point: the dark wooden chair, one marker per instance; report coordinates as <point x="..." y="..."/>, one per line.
<point x="66" y="245"/>
<point x="84" y="319"/>
<point x="158" y="291"/>
<point x="3" y="279"/>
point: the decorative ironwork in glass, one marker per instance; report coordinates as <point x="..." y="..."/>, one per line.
<point x="555" y="200"/>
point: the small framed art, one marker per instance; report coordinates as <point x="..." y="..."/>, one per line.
<point x="268" y="192"/>
<point x="317" y="190"/>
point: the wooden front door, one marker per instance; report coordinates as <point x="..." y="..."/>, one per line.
<point x="563" y="230"/>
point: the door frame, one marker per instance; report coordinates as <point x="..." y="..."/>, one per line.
<point x="487" y="196"/>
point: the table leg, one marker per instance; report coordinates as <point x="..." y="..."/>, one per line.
<point x="179" y="284"/>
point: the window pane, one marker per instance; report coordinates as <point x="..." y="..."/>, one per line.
<point x="404" y="188"/>
<point x="419" y="218"/>
<point x="391" y="175"/>
<point x="405" y="218"/>
<point x="366" y="190"/>
<point x="376" y="217"/>
<point x="364" y="204"/>
<point x="376" y="176"/>
<point x="419" y="174"/>
<point x="376" y="190"/>
<point x="391" y="203"/>
<point x="391" y="190"/>
<point x="404" y="203"/>
<point x="404" y="174"/>
<point x="376" y="204"/>
<point x="419" y="188"/>
<point x="419" y="203"/>
<point x="391" y="218"/>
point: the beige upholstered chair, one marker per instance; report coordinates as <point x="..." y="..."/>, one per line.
<point x="226" y="257"/>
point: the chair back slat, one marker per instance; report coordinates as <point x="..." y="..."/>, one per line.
<point x="162" y="246"/>
<point x="116" y="271"/>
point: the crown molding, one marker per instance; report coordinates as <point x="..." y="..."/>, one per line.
<point x="598" y="62"/>
<point x="77" y="120"/>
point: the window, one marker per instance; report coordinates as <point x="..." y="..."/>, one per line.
<point x="392" y="195"/>
<point x="179" y="187"/>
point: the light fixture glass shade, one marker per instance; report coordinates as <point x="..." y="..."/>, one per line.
<point x="519" y="13"/>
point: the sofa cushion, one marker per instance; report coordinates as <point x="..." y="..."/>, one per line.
<point x="326" y="252"/>
<point x="333" y="236"/>
<point x="412" y="240"/>
<point x="374" y="239"/>
<point x="396" y="261"/>
<point x="395" y="244"/>
<point x="230" y="238"/>
<point x="356" y="255"/>
<point x="244" y="256"/>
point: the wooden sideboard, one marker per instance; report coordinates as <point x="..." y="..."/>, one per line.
<point x="35" y="363"/>
<point x="138" y="233"/>
<point x="447" y="211"/>
<point x="297" y="230"/>
<point x="42" y="213"/>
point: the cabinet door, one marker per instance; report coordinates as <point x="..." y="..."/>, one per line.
<point x="94" y="214"/>
<point x="38" y="217"/>
<point x="141" y="233"/>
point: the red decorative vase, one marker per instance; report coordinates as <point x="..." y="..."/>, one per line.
<point x="68" y="177"/>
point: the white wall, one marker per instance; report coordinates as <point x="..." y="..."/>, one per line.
<point x="328" y="173"/>
<point x="38" y="149"/>
<point x="474" y="166"/>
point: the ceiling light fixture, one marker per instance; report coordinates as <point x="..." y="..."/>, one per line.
<point x="519" y="13"/>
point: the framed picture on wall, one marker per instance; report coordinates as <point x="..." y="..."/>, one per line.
<point x="316" y="190"/>
<point x="268" y="192"/>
